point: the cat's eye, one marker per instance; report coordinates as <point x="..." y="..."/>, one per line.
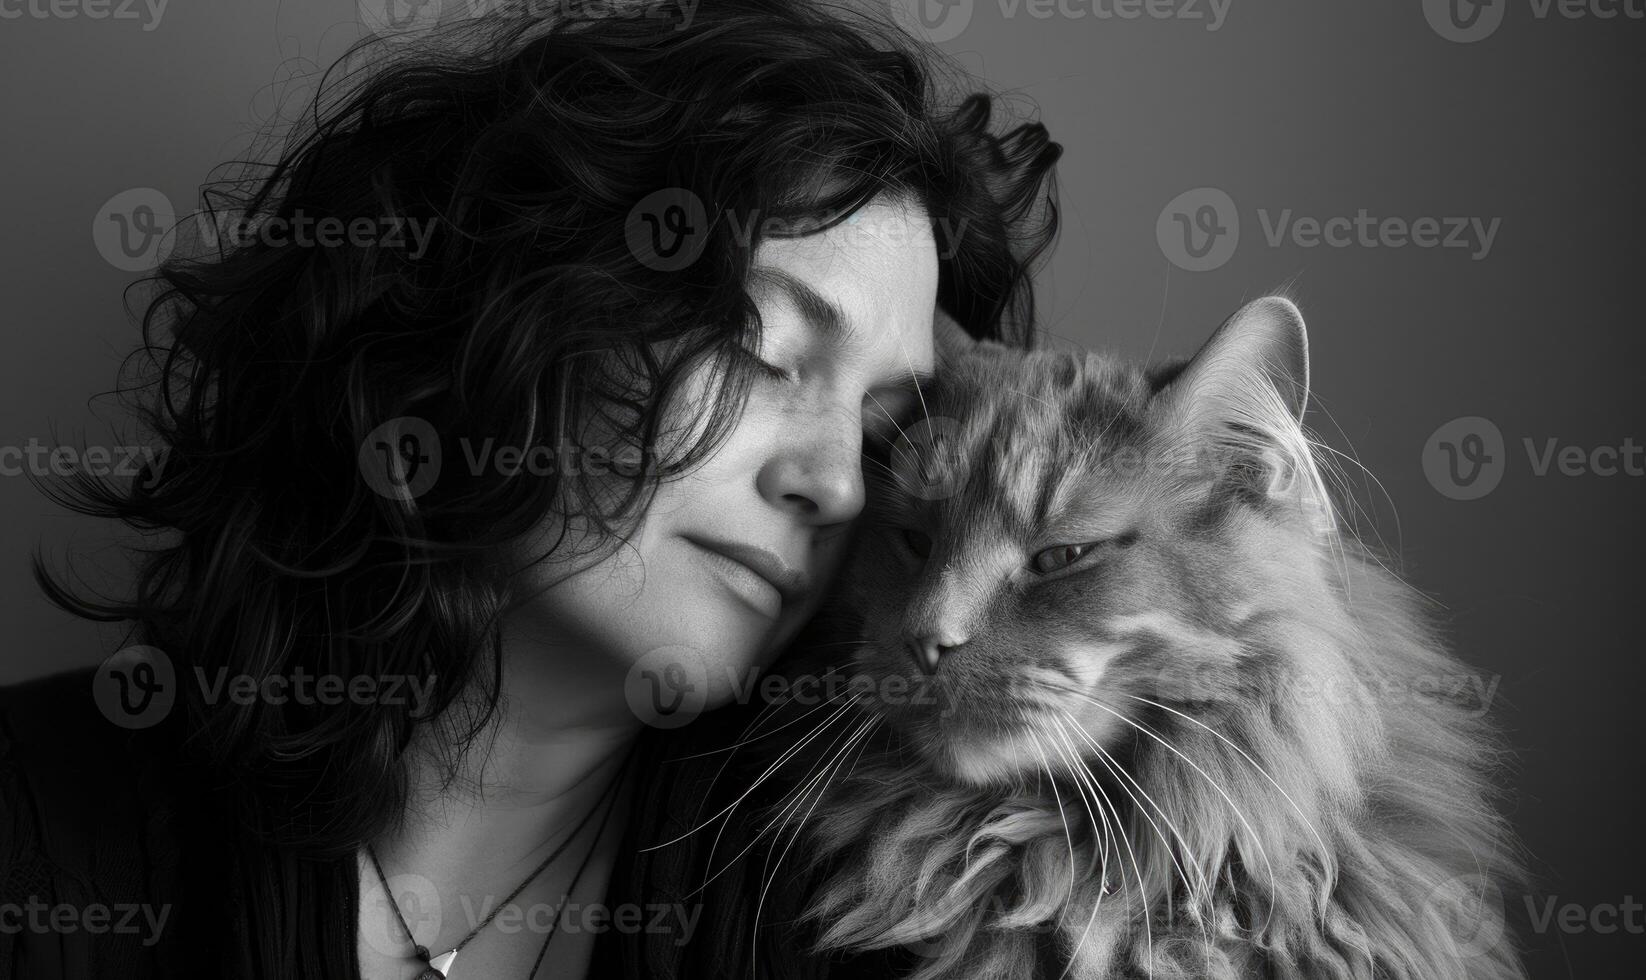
<point x="918" y="542"/>
<point x="1060" y="556"/>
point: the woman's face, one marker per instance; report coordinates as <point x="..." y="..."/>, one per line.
<point x="735" y="555"/>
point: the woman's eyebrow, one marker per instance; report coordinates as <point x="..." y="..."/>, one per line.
<point x="830" y="320"/>
<point x="818" y="310"/>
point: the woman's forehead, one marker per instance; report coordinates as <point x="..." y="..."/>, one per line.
<point x="866" y="285"/>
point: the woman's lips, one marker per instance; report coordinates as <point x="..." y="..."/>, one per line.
<point x="757" y="576"/>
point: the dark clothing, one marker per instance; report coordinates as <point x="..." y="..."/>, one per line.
<point x="121" y="861"/>
<point x="117" y="860"/>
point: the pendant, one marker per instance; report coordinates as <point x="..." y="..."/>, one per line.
<point x="439" y="966"/>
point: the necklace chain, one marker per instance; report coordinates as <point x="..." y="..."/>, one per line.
<point x="607" y="801"/>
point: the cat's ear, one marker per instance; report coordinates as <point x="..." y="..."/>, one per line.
<point x="1257" y="355"/>
<point x="1238" y="406"/>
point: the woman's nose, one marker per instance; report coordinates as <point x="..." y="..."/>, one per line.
<point x="815" y="468"/>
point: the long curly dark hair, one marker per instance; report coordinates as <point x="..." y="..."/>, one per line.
<point x="525" y="315"/>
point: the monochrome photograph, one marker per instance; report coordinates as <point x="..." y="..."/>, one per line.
<point x="822" y="490"/>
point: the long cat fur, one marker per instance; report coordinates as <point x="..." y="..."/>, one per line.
<point x="1319" y="818"/>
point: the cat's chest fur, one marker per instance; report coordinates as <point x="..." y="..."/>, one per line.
<point x="1157" y="739"/>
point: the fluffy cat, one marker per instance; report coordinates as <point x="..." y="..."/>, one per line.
<point x="1130" y="701"/>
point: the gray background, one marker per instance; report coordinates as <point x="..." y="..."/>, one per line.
<point x="1324" y="108"/>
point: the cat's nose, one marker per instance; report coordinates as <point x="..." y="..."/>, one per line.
<point x="928" y="651"/>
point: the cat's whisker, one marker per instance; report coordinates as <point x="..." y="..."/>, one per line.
<point x="1203" y="890"/>
<point x="857" y="736"/>
<point x="901" y="455"/>
<point x="1234" y="807"/>
<point x="1262" y="771"/>
<point x="1051" y="777"/>
<point x="1143" y="903"/>
<point x="787" y="754"/>
<point x="891" y="419"/>
<point x="914" y="376"/>
<point x="755" y="738"/>
<point x="1198" y="897"/>
<point x="843" y="710"/>
<point x="1105" y="832"/>
<point x="875" y="462"/>
<point x="714" y="846"/>
<point x="1137" y="804"/>
<point x="1103" y="858"/>
<point x="898" y="480"/>
<point x="772" y="707"/>
<point x="813" y="775"/>
<point x="1237" y="504"/>
<point x="769" y="709"/>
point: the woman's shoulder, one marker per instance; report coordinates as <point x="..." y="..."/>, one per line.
<point x="58" y="743"/>
<point x="86" y="833"/>
<point x="47" y="715"/>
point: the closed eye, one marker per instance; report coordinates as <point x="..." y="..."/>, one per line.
<point x="766" y="367"/>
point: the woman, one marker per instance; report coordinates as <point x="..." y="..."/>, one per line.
<point x="436" y="510"/>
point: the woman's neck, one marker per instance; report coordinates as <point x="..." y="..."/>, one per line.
<point x="542" y="777"/>
<point x="545" y="759"/>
